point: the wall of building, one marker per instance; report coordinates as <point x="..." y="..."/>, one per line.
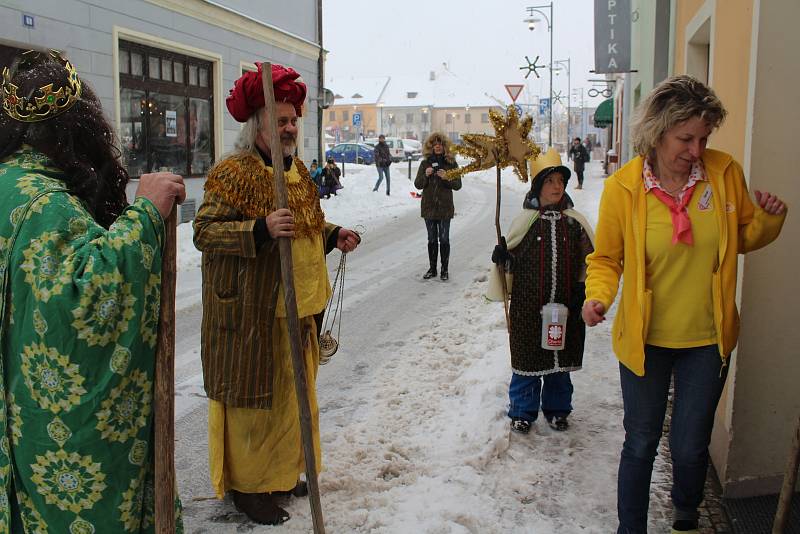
<point x="749" y="41"/>
<point x="274" y="12"/>
<point x="88" y="33"/>
<point x="765" y="406"/>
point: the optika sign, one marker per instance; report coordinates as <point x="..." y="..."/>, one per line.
<point x="612" y="36"/>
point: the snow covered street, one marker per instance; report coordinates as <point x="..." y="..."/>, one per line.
<point x="413" y="406"/>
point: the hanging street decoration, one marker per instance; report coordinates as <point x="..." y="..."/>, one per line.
<point x="509" y="147"/>
<point x="531" y="67"/>
<point x="557" y="97"/>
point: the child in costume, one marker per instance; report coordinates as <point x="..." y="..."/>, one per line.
<point x="545" y="258"/>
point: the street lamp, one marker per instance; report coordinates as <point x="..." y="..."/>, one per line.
<point x="531" y="26"/>
<point x="453" y="126"/>
<point x="569" y="96"/>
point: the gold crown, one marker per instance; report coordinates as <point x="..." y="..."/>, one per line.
<point x="48" y="102"/>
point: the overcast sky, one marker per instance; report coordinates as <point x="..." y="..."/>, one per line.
<point x="485" y="41"/>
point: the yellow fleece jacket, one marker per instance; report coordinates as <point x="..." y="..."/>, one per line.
<point x="620" y="251"/>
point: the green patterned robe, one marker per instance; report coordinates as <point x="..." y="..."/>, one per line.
<point x="77" y="345"/>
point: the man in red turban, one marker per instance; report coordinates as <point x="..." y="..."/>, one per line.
<point x="254" y="444"/>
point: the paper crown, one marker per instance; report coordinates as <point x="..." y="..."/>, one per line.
<point x="47" y="102"/>
<point x="551" y="158"/>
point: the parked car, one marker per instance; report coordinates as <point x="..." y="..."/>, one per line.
<point x="412" y="148"/>
<point x="395" y="147"/>
<point x="352" y="153"/>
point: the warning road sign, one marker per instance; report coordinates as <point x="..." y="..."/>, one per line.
<point x="514" y="90"/>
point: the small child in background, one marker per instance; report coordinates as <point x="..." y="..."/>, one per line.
<point x="316" y="175"/>
<point x="545" y="258"/>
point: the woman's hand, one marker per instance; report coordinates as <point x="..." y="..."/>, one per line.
<point x="428" y="171"/>
<point x="440" y="173"/>
<point x="280" y="223"/>
<point x="770" y="203"/>
<point x="347" y="240"/>
<point x="593" y="312"/>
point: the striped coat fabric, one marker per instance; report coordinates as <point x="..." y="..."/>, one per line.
<point x="240" y="290"/>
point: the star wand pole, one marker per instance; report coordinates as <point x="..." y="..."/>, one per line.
<point x="500" y="242"/>
<point x="290" y="301"/>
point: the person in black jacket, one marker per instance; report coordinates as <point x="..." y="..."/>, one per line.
<point x="383" y="158"/>
<point x="437" y="199"/>
<point x="579" y="157"/>
<point x="330" y="179"/>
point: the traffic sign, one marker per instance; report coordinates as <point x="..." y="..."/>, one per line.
<point x="357" y="118"/>
<point x="544" y="105"/>
<point x="519" y="109"/>
<point x="514" y="90"/>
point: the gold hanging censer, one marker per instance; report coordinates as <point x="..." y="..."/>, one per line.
<point x="328" y="345"/>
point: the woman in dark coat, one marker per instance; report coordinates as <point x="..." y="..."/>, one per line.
<point x="579" y="157"/>
<point x="437" y="199"/>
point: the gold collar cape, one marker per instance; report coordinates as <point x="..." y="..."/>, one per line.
<point x="246" y="183"/>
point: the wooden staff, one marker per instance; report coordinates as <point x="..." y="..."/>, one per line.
<point x="165" y="387"/>
<point x="287" y="278"/>
<point x="502" y="266"/>
<point x="789" y="481"/>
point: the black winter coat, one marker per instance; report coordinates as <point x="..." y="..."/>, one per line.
<point x="383" y="158"/>
<point x="579" y="156"/>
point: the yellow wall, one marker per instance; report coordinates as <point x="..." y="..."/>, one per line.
<point x="754" y="71"/>
<point x="729" y="63"/>
<point x="369" y="119"/>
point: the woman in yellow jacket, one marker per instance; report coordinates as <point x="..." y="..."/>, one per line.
<point x="671" y="223"/>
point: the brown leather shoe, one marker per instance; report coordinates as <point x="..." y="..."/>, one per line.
<point x="300" y="490"/>
<point x="260" y="507"/>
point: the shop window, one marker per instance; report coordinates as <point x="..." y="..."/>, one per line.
<point x="166" y="119"/>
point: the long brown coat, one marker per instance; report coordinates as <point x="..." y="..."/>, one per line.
<point x="241" y="281"/>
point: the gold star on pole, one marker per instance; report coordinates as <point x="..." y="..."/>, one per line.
<point x="509" y="146"/>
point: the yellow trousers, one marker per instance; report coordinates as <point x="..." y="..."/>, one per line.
<point x="260" y="451"/>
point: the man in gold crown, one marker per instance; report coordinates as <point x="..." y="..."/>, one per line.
<point x="545" y="257"/>
<point x="81" y="280"/>
<point x="254" y="444"/>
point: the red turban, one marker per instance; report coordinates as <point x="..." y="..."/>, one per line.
<point x="247" y="94"/>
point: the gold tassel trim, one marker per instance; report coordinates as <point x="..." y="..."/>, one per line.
<point x="247" y="184"/>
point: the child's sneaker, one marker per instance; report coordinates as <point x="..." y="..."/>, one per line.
<point x="520" y="426"/>
<point x="559" y="423"/>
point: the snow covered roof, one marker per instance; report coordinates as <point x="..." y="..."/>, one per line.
<point x="353" y="90"/>
<point x="440" y="89"/>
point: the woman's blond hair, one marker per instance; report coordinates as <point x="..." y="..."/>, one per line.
<point x="673" y="101"/>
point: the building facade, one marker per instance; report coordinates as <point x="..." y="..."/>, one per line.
<point x="746" y="51"/>
<point x="162" y="68"/>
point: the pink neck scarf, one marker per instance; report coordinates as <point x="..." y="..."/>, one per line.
<point x="681" y="224"/>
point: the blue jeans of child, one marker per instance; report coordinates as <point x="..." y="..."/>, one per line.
<point x="382" y="171"/>
<point x="526" y="393"/>
<point x="699" y="378"/>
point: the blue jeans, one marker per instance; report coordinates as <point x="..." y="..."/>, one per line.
<point x="382" y="171"/>
<point x="525" y="393"/>
<point x="698" y="382"/>
<point x="438" y="231"/>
